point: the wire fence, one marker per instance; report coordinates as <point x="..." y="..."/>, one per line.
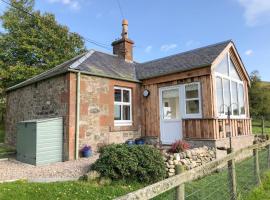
<point x="216" y="185"/>
<point x="232" y="177"/>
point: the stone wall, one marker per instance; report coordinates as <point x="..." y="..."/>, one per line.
<point x="45" y="99"/>
<point x="189" y="159"/>
<point x="97" y="112"/>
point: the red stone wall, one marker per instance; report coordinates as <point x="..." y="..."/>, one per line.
<point x="97" y="112"/>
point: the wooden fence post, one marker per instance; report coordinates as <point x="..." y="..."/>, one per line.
<point x="180" y="190"/>
<point x="232" y="176"/>
<point x="268" y="155"/>
<point x="256" y="166"/>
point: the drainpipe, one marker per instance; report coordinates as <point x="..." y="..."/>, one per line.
<point x="77" y="131"/>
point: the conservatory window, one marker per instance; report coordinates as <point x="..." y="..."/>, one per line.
<point x="122" y="107"/>
<point x="229" y="88"/>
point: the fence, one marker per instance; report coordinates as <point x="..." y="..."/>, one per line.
<point x="230" y="177"/>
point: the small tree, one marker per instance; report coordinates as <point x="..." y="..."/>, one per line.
<point x="259" y="99"/>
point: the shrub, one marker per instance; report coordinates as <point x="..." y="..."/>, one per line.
<point x="179" y="146"/>
<point x="136" y="162"/>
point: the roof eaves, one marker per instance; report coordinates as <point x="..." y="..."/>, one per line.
<point x="105" y="76"/>
<point x="29" y="81"/>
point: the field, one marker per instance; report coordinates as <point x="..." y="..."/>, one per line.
<point x="257" y="127"/>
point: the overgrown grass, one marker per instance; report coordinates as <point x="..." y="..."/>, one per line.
<point x="65" y="190"/>
<point x="263" y="191"/>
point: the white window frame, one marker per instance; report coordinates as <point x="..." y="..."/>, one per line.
<point x="239" y="82"/>
<point x="123" y="122"/>
<point x="194" y="115"/>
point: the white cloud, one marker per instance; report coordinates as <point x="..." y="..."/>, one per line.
<point x="148" y="49"/>
<point x="256" y="11"/>
<point x="168" y="47"/>
<point x="249" y="52"/>
<point x="74" y="4"/>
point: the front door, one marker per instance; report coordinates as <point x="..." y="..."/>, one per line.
<point x="170" y="116"/>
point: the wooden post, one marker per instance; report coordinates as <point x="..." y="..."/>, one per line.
<point x="232" y="176"/>
<point x="180" y="190"/>
<point x="268" y="155"/>
<point x="262" y="125"/>
<point x="256" y="166"/>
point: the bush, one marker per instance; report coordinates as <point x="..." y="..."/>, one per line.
<point x="179" y="146"/>
<point x="137" y="162"/>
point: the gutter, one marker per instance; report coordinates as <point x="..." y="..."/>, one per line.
<point x="77" y="123"/>
<point x="104" y="76"/>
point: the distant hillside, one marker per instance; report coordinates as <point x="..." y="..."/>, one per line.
<point x="266" y="84"/>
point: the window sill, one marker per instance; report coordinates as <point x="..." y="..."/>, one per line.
<point x="192" y="116"/>
<point x="129" y="123"/>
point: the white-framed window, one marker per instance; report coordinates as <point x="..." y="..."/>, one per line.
<point x="122" y="106"/>
<point x="192" y="100"/>
<point x="229" y="89"/>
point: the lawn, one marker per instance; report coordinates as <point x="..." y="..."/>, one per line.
<point x="262" y="192"/>
<point x="65" y="190"/>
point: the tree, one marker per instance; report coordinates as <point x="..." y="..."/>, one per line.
<point x="33" y="43"/>
<point x="259" y="99"/>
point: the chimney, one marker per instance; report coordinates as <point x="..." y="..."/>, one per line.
<point x="124" y="46"/>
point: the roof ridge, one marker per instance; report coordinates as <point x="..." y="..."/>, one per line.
<point x="182" y="53"/>
<point x="81" y="60"/>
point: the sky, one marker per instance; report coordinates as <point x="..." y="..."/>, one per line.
<point x="161" y="28"/>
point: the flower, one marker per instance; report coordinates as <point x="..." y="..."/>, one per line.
<point x="86" y="148"/>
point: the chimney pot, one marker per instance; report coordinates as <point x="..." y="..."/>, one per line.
<point x="124" y="47"/>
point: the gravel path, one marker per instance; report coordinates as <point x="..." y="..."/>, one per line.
<point x="12" y="169"/>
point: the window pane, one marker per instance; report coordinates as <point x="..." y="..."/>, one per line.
<point x="126" y="112"/>
<point x="117" y="112"/>
<point x="170" y="104"/>
<point x="126" y="96"/>
<point x="192" y="107"/>
<point x="223" y="66"/>
<point x="192" y="91"/>
<point x="241" y="99"/>
<point x="220" y="104"/>
<point x="235" y="110"/>
<point x="227" y="96"/>
<point x="117" y="95"/>
<point x="233" y="72"/>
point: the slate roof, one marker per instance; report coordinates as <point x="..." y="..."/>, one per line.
<point x="185" y="61"/>
<point x="107" y="65"/>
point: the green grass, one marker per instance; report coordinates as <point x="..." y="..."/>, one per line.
<point x="215" y="186"/>
<point x="262" y="192"/>
<point x="65" y="190"/>
<point x="257" y="128"/>
<point x="2" y="134"/>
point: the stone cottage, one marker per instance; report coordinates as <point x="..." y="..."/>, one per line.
<point x="109" y="98"/>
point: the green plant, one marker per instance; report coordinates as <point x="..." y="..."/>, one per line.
<point x="137" y="162"/>
<point x="179" y="146"/>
